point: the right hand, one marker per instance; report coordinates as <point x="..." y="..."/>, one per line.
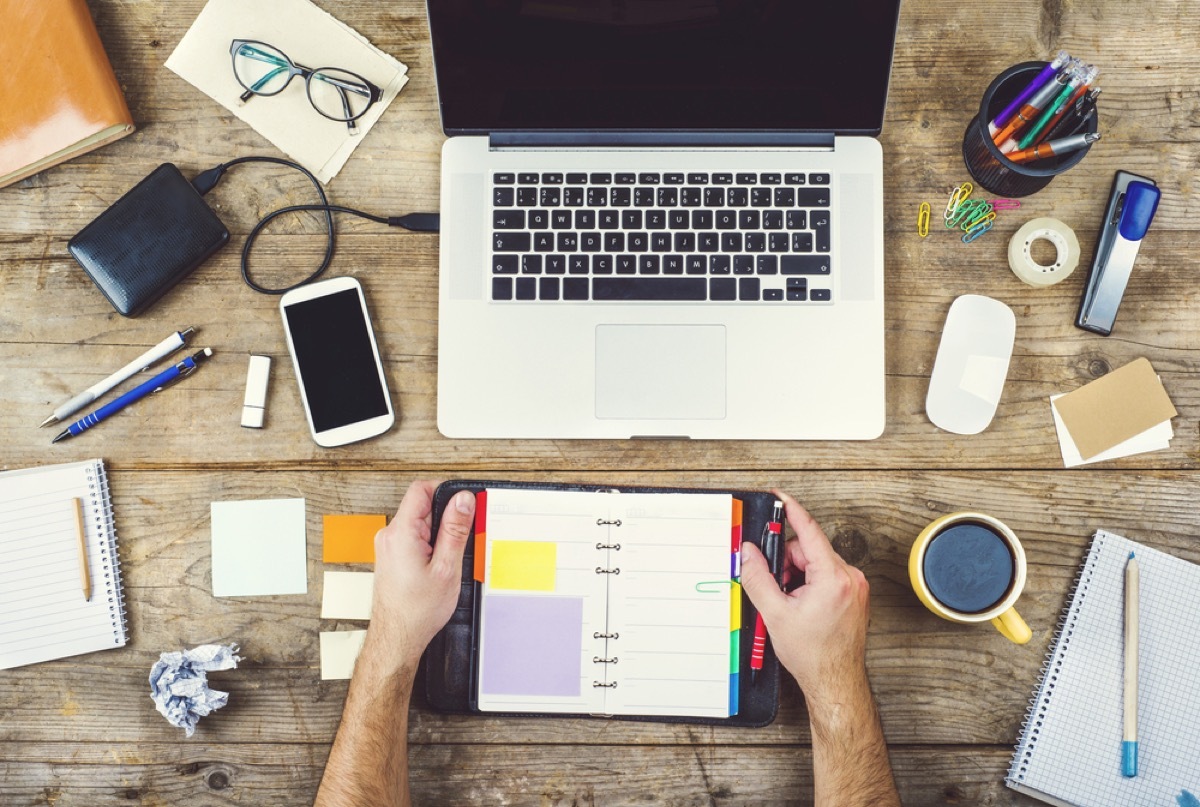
<point x="819" y="630"/>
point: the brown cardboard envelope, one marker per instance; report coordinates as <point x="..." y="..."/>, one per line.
<point x="1115" y="407"/>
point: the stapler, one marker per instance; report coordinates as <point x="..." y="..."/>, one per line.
<point x="1131" y="207"/>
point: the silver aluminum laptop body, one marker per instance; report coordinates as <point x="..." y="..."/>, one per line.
<point x="667" y="369"/>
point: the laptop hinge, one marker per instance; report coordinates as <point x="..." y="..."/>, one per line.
<point x="807" y="140"/>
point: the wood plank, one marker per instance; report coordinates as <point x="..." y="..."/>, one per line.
<point x="47" y="357"/>
<point x="694" y="773"/>
<point x="872" y="518"/>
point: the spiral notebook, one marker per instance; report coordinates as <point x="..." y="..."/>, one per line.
<point x="1070" y="748"/>
<point x="43" y="612"/>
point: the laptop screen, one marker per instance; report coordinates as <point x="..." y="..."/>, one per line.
<point x="683" y="65"/>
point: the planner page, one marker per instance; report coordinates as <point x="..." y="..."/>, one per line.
<point x="543" y="601"/>
<point x="44" y="614"/>
<point x="670" y="605"/>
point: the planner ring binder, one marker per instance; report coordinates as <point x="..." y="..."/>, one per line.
<point x="533" y="598"/>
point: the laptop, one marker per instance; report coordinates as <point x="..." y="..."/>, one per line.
<point x="662" y="218"/>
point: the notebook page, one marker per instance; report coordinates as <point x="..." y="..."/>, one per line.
<point x="43" y="614"/>
<point x="1075" y="755"/>
<point x="542" y="602"/>
<point x="671" y="605"/>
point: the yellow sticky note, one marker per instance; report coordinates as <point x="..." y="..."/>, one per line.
<point x="735" y="606"/>
<point x="351" y="539"/>
<point x="522" y="565"/>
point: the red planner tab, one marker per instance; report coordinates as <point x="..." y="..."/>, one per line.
<point x="480" y="534"/>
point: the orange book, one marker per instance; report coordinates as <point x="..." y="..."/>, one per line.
<point x="59" y="97"/>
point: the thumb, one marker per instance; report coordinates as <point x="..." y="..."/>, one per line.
<point x="758" y="582"/>
<point x="454" y="531"/>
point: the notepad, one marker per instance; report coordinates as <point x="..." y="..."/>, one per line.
<point x="605" y="603"/>
<point x="347" y="595"/>
<point x="43" y="613"/>
<point x="1070" y="749"/>
<point x="259" y="548"/>
<point x="339" y="651"/>
<point x="350" y="538"/>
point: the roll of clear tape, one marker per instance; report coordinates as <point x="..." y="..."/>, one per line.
<point x="1066" y="247"/>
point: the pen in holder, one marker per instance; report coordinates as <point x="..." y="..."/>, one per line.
<point x="992" y="169"/>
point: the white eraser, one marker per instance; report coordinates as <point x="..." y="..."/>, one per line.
<point x="254" y="407"/>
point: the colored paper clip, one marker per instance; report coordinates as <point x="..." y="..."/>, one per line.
<point x="923" y="219"/>
<point x="957" y="197"/>
<point x="977" y="231"/>
<point x="967" y="211"/>
<point x="981" y="214"/>
<point x="1005" y="204"/>
<point x="714" y="586"/>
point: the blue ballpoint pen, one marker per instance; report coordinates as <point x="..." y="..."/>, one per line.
<point x="169" y="376"/>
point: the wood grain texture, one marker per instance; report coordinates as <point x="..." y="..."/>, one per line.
<point x="83" y="731"/>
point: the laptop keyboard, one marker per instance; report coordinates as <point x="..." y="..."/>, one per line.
<point x="662" y="236"/>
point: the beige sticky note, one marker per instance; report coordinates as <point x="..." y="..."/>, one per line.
<point x="347" y="595"/>
<point x="339" y="651"/>
<point x="1115" y="407"/>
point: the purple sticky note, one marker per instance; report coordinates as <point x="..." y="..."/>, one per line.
<point x="532" y="645"/>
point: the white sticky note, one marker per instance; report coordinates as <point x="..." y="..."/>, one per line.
<point x="259" y="547"/>
<point x="339" y="651"/>
<point x="1156" y="438"/>
<point x="347" y="595"/>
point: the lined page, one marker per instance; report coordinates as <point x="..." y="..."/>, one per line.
<point x="1071" y="749"/>
<point x="43" y="614"/>
<point x="671" y="605"/>
<point x="543" y="601"/>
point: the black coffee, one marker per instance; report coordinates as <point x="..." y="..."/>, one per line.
<point x="969" y="567"/>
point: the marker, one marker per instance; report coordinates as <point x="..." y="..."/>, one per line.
<point x="1129" y="746"/>
<point x="1027" y="112"/>
<point x="148" y="359"/>
<point x="1063" y="145"/>
<point x="1039" y="81"/>
<point x="1071" y="91"/>
<point x="159" y="382"/>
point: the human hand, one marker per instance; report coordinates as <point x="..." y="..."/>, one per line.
<point x="416" y="583"/>
<point x="819" y="630"/>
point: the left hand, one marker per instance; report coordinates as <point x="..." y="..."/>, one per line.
<point x="416" y="582"/>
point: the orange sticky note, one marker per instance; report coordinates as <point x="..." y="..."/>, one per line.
<point x="351" y="539"/>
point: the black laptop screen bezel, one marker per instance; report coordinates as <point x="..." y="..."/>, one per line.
<point x="462" y="76"/>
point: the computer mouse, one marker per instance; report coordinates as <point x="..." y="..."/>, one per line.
<point x="971" y="365"/>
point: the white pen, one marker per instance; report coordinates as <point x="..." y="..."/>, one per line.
<point x="155" y="354"/>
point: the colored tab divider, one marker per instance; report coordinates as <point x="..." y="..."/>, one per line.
<point x="480" y="548"/>
<point x="735" y="606"/>
<point x="523" y="565"/>
<point x="351" y="538"/>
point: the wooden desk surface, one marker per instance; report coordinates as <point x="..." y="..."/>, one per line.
<point x="84" y="731"/>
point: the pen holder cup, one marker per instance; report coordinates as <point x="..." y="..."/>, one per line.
<point x="988" y="166"/>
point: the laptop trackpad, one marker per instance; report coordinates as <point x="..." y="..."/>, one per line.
<point x="660" y="372"/>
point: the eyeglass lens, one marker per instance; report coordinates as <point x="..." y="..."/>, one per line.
<point x="262" y="69"/>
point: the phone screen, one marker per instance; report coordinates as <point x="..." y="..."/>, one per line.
<point x="332" y="347"/>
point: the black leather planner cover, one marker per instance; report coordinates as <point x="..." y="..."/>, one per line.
<point x="148" y="240"/>
<point x="449" y="662"/>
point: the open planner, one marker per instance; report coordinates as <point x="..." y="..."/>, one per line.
<point x="43" y="611"/>
<point x="587" y="601"/>
<point x="1070" y="749"/>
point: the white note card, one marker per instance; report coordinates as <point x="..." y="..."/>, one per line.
<point x="339" y="651"/>
<point x="259" y="547"/>
<point x="347" y="595"/>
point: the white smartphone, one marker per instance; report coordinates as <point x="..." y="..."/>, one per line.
<point x="337" y="361"/>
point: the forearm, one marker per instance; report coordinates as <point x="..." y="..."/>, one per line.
<point x="368" y="763"/>
<point x="850" y="759"/>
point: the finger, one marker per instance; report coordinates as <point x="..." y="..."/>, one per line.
<point x="453" y="532"/>
<point x="812" y="545"/>
<point x="758" y="582"/>
<point x="416" y="508"/>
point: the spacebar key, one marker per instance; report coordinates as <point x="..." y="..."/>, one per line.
<point x="649" y="288"/>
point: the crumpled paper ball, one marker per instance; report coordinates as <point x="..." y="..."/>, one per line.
<point x="179" y="683"/>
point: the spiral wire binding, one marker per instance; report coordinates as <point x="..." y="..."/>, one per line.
<point x="101" y="501"/>
<point x="1039" y="704"/>
<point x="613" y="685"/>
<point x="601" y="546"/>
<point x="598" y="660"/>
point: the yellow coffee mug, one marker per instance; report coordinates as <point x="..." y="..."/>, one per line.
<point x="1002" y="615"/>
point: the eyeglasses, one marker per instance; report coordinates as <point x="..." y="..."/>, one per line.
<point x="337" y="94"/>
